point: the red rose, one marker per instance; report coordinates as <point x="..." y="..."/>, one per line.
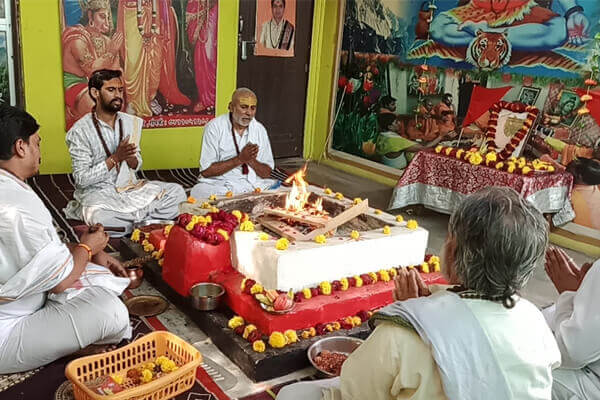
<point x="366" y="100"/>
<point x="367" y="280"/>
<point x="239" y="330"/>
<point x="248" y="285"/>
<point x="298" y="297"/>
<point x="375" y="71"/>
<point x="367" y="85"/>
<point x="320" y="328"/>
<point x="343" y="81"/>
<point x="363" y="315"/>
<point x="336" y="286"/>
<point x="349" y="88"/>
<point x="352" y="282"/>
<point x="314" y="291"/>
<point x="427" y="257"/>
<point x="344" y="324"/>
<point x="184" y="219"/>
<point x="254" y="336"/>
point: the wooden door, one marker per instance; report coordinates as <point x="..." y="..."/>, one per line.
<point x="279" y="82"/>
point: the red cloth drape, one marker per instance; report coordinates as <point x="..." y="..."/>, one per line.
<point x="481" y="101"/>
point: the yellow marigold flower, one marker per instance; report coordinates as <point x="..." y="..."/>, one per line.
<point x="329" y="327"/>
<point x="321" y="239"/>
<point x="393" y="273"/>
<point x="145" y="242"/>
<point x="412" y="224"/>
<point x="359" y="281"/>
<point x="263" y="236"/>
<point x="312" y="331"/>
<point x="223" y="233"/>
<point x="491" y="157"/>
<point x="399" y="218"/>
<point x="212" y="197"/>
<point x="135" y="235"/>
<point x="146" y="375"/>
<point x="459" y="153"/>
<point x="373" y="276"/>
<point x="525" y="170"/>
<point x="357" y="200"/>
<point x="448" y="150"/>
<point x="339" y="196"/>
<point x="439" y="148"/>
<point x="206" y="204"/>
<point x="325" y="288"/>
<point x="384" y="275"/>
<point x="243" y="284"/>
<point x="235" y="322"/>
<point x="258" y="346"/>
<point x="247" y="226"/>
<point x="214" y="210"/>
<point x="328" y="191"/>
<point x="157" y="254"/>
<point x="277" y="340"/>
<point x="257" y="190"/>
<point x="161" y="359"/>
<point x="386" y="230"/>
<point x="345" y="284"/>
<point x="117" y="378"/>
<point x="291" y="336"/>
<point x="229" y="194"/>
<point x="550" y="168"/>
<point x="305" y="334"/>
<point x="149" y="248"/>
<point x="356" y="321"/>
<point x="378" y="211"/>
<point x="190" y="226"/>
<point x="511" y="167"/>
<point x="434" y="259"/>
<point x="354" y="235"/>
<point x="282" y="244"/>
<point x="307" y="293"/>
<point x="436" y="267"/>
<point x="191" y="200"/>
<point x="168" y="366"/>
<point x="161" y="261"/>
<point x="256" y="288"/>
<point x="237" y="214"/>
<point x="499" y="165"/>
<point x="410" y="267"/>
<point x="425" y="267"/>
<point x="336" y="326"/>
<point x="150" y="366"/>
<point x="476" y="158"/>
<point x="247" y="330"/>
<point x="167" y="230"/>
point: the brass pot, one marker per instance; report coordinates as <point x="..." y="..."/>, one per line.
<point x="136" y="276"/>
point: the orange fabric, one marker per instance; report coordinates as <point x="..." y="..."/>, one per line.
<point x="503" y="13"/>
<point x="571" y="152"/>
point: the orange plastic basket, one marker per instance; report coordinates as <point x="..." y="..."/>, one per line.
<point x="141" y="351"/>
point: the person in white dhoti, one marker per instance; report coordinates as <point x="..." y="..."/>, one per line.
<point x="575" y="321"/>
<point x="104" y="148"/>
<point x="55" y="299"/>
<point x="236" y="153"/>
<point x="478" y="339"/>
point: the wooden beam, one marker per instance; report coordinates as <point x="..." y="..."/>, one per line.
<point x="340" y="219"/>
<point x="303" y="217"/>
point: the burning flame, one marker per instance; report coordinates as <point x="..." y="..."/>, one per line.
<point x="297" y="198"/>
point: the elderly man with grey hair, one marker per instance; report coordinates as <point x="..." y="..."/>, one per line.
<point x="236" y="153"/>
<point x="478" y="338"/>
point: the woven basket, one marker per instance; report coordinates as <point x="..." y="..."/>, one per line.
<point x="139" y="352"/>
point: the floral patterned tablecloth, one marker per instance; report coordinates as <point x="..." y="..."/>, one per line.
<point x="440" y="182"/>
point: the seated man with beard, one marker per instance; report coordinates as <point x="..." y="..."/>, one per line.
<point x="479" y="339"/>
<point x="104" y="147"/>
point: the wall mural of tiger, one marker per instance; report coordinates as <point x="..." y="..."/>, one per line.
<point x="489" y="50"/>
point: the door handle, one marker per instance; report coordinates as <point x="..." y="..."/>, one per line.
<point x="244" y="50"/>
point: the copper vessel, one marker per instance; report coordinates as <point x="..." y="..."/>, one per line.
<point x="136" y="275"/>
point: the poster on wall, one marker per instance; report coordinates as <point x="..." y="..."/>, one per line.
<point x="275" y="28"/>
<point x="4" y="73"/>
<point x="167" y="50"/>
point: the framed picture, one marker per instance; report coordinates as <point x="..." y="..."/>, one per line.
<point x="529" y="95"/>
<point x="566" y="107"/>
<point x="510" y="125"/>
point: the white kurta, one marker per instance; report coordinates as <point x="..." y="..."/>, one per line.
<point x="575" y="321"/>
<point x="35" y="328"/>
<point x="217" y="145"/>
<point x="402" y="366"/>
<point x="97" y="199"/>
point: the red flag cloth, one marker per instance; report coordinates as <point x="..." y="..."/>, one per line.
<point x="594" y="104"/>
<point x="481" y="101"/>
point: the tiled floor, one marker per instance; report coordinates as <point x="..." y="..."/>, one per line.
<point x="230" y="378"/>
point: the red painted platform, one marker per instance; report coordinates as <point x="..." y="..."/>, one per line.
<point x="308" y="313"/>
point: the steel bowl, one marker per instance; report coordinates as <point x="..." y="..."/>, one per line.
<point x="338" y="344"/>
<point x="206" y="296"/>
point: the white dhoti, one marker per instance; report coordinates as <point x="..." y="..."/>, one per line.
<point x="166" y="206"/>
<point x="95" y="316"/>
<point x="575" y="384"/>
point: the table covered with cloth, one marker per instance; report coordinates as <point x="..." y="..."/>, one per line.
<point x="440" y="182"/>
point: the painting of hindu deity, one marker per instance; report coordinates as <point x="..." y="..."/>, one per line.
<point x="167" y="50"/>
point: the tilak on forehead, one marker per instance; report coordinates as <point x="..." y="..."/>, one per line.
<point x="247" y="100"/>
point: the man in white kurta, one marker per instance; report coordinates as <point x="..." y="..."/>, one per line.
<point x="39" y="322"/>
<point x="241" y="166"/>
<point x="106" y="188"/>
<point x="575" y="321"/>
